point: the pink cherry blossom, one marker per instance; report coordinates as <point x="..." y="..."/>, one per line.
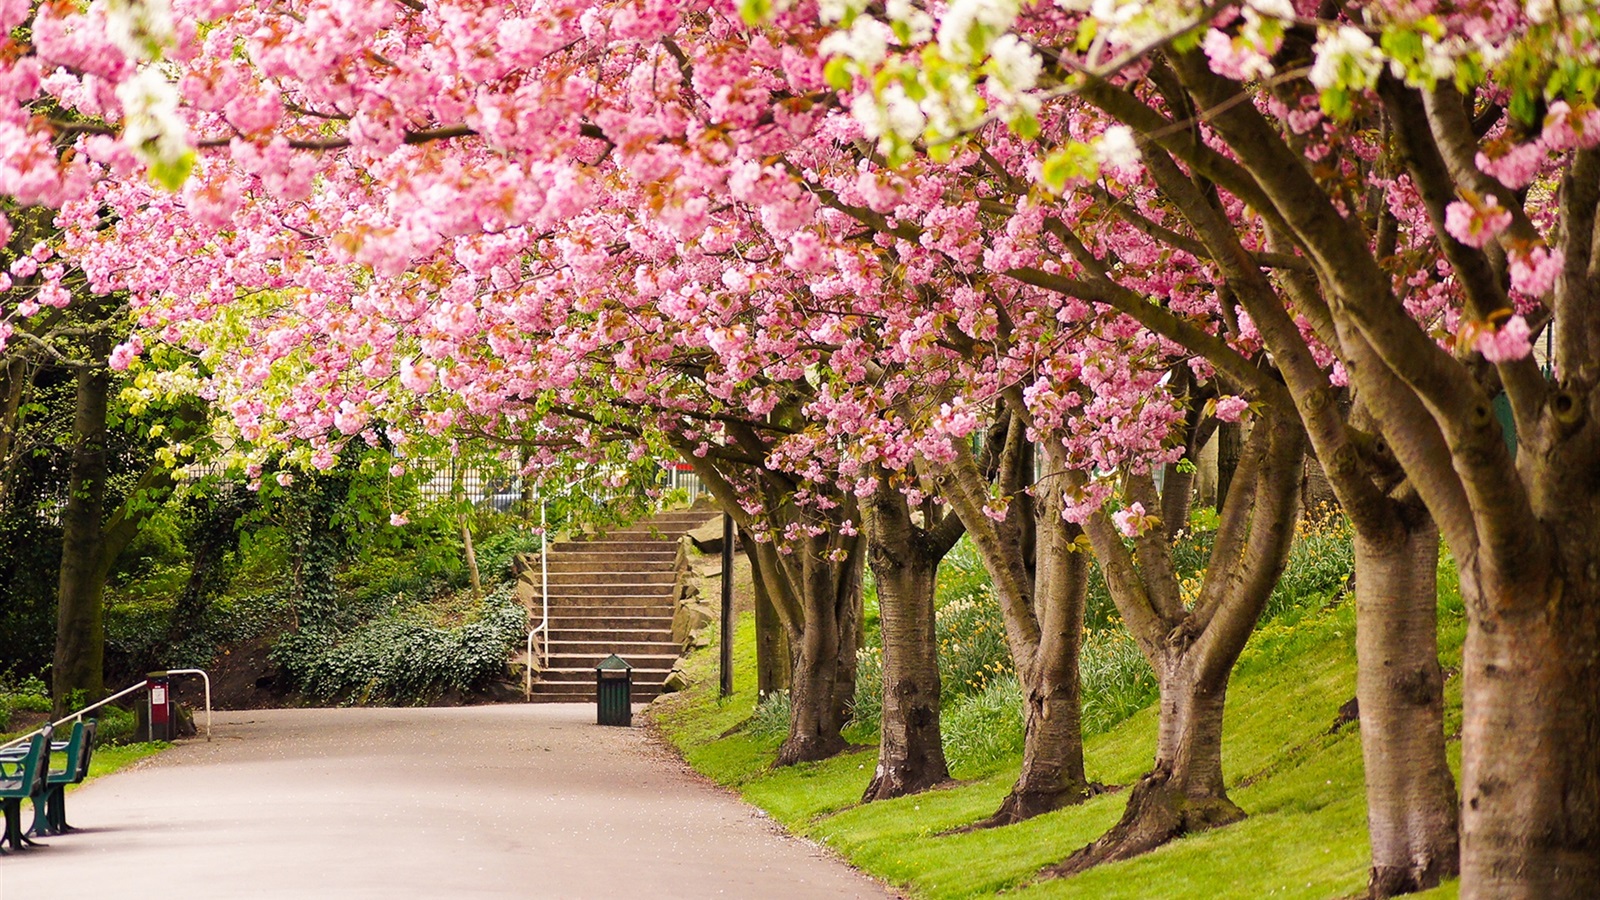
<point x="1130" y="520"/>
<point x="1476" y="224"/>
<point x="1507" y="344"/>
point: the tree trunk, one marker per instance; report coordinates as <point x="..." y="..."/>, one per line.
<point x="911" y="750"/>
<point x="1052" y="773"/>
<point x="1192" y="646"/>
<point x="773" y="661"/>
<point x="1032" y="565"/>
<point x="1530" y="771"/>
<point x="1411" y="796"/>
<point x="816" y="718"/>
<point x="822" y="681"/>
<point x="1177" y="493"/>
<point x="472" y="558"/>
<point x="80" y="618"/>
<point x="1230" y="445"/>
<point x="1184" y="792"/>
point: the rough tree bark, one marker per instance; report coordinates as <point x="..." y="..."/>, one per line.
<point x="814" y="582"/>
<point x="823" y="640"/>
<point x="1531" y="781"/>
<point x="1193" y="649"/>
<point x="79" y="666"/>
<point x="1177" y="481"/>
<point x="1411" y="795"/>
<point x="772" y="644"/>
<point x="905" y="559"/>
<point x="1229" y="443"/>
<point x="1042" y="595"/>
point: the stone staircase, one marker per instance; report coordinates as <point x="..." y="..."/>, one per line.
<point x="613" y="595"/>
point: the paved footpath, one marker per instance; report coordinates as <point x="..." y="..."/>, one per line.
<point x="488" y="801"/>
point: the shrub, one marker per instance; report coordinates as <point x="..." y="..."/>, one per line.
<point x="28" y="694"/>
<point x="402" y="658"/>
<point x="866" y="708"/>
<point x="1320" y="566"/>
<point x="117" y="726"/>
<point x="968" y="625"/>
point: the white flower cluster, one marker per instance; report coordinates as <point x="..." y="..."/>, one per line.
<point x="139" y="28"/>
<point x="151" y="125"/>
<point x="1132" y="23"/>
<point x="867" y="42"/>
<point x="1277" y="9"/>
<point x="1013" y="64"/>
<point x="970" y="27"/>
<point x="1346" y="57"/>
<point x="1116" y="148"/>
<point x="918" y="24"/>
<point x="1541" y="12"/>
<point x="838" y="10"/>
<point x="892" y="112"/>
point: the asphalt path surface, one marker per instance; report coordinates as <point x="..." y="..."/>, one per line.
<point x="489" y="801"/>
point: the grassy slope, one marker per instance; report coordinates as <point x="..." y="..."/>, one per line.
<point x="1306" y="835"/>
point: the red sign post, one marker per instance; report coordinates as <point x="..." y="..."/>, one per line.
<point x="160" y="706"/>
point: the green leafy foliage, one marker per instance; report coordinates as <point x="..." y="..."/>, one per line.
<point x="982" y="718"/>
<point x="403" y="657"/>
<point x="117" y="726"/>
<point x="26" y="694"/>
<point x="983" y="730"/>
<point x="771" y="718"/>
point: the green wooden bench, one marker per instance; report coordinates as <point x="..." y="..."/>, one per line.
<point x="50" y="809"/>
<point x="23" y="776"/>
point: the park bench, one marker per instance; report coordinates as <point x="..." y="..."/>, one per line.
<point x="50" y="809"/>
<point x="23" y="776"/>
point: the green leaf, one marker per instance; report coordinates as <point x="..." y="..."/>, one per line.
<point x="172" y="173"/>
<point x="755" y="12"/>
<point x="837" y="73"/>
<point x="1024" y="124"/>
<point x="1336" y="103"/>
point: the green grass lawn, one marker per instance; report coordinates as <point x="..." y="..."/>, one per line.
<point x="1300" y="783"/>
<point x="109" y="759"/>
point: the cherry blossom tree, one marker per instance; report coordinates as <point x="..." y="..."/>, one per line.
<point x="441" y="214"/>
<point x="1477" y="104"/>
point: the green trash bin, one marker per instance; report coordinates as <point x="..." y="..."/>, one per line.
<point x="613" y="691"/>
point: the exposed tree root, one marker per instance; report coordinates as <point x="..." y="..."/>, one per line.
<point x="1157" y="813"/>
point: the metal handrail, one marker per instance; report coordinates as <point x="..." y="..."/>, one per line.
<point x="670" y="475"/>
<point x="544" y="601"/>
<point x="79" y="714"/>
<point x="73" y="717"/>
<point x="207" y="679"/>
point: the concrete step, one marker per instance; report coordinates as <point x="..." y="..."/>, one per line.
<point x="639" y="661"/>
<point x="610" y="575"/>
<point x="653" y="547"/>
<point x="587" y="696"/>
<point x="564" y="600"/>
<point x="631" y="534"/>
<point x="630" y="632"/>
<point x="585" y="675"/>
<point x="628" y="589"/>
<point x="575" y="610"/>
<point x="601" y="648"/>
<point x="583" y="625"/>
<point x="610" y="557"/>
